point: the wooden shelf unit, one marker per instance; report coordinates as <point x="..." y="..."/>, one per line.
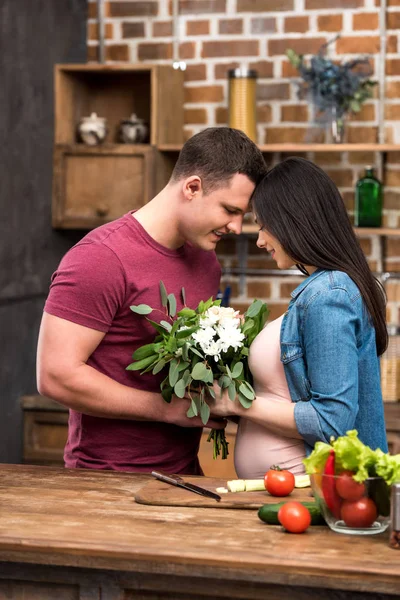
<point x="96" y="184"/>
<point x="153" y="92"/>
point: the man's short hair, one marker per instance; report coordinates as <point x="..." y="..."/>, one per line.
<point x="216" y="154"/>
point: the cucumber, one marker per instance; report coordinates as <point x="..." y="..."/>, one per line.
<point x="269" y="513"/>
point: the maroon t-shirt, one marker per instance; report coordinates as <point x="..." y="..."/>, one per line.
<point x="113" y="267"/>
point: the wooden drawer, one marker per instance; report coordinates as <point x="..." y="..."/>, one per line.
<point x="45" y="434"/>
<point x="94" y="185"/>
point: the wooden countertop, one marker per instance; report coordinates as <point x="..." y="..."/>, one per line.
<point x="89" y="519"/>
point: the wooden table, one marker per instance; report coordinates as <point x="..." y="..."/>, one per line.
<point x="79" y="535"/>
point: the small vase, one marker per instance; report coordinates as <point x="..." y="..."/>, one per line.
<point x="337" y="127"/>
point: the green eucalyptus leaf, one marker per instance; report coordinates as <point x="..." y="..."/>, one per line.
<point x="185" y="352"/>
<point x="211" y="392"/>
<point x="141" y="309"/>
<point x="184" y="333"/>
<point x="173" y="375"/>
<point x="167" y="326"/>
<point x="237" y="370"/>
<point x="192" y="412"/>
<point x="183" y="365"/>
<point x="232" y="392"/>
<point x="180" y="388"/>
<point x="159" y="366"/>
<point x="254" y="308"/>
<point x="144" y="351"/>
<point x="195" y="351"/>
<point x="228" y="371"/>
<point x="187" y="378"/>
<point x="245" y="402"/>
<point x="205" y="413"/>
<point x="167" y="393"/>
<point x="199" y="371"/>
<point x="161" y="330"/>
<point x="244" y="390"/>
<point x="141" y="364"/>
<point x="226" y="381"/>
<point x="187" y="312"/>
<point x="172" y="304"/>
<point x="164" y="295"/>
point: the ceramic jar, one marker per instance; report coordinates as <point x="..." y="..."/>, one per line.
<point x="133" y="130"/>
<point x="92" y="130"/>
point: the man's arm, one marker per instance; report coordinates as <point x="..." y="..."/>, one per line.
<point x="62" y="374"/>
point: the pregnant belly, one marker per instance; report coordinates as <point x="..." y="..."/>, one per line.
<point x="257" y="449"/>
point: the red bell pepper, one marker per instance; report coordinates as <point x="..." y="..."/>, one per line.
<point x="331" y="497"/>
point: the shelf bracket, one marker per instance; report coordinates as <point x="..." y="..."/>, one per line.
<point x="242" y="248"/>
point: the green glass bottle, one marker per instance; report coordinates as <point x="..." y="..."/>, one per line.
<point x="369" y="198"/>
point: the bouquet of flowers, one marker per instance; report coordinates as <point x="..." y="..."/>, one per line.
<point x="198" y="346"/>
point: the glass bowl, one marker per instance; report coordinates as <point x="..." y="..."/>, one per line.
<point x="348" y="507"/>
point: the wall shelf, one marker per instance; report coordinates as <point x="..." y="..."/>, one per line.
<point x="270" y="148"/>
<point x="249" y="229"/>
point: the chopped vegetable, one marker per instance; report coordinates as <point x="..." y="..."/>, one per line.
<point x="221" y="490"/>
<point x="302" y="481"/>
<point x="246" y="485"/>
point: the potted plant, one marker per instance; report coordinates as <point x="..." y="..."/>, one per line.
<point x="334" y="89"/>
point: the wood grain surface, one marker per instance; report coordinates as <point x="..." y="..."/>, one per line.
<point x="163" y="494"/>
<point x="59" y="518"/>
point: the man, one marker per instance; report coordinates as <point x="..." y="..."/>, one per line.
<point x="118" y="419"/>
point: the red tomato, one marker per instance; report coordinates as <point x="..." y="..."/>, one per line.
<point x="347" y="488"/>
<point x="294" y="517"/>
<point x="279" y="482"/>
<point x="361" y="513"/>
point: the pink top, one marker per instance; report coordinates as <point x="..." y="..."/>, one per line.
<point x="256" y="448"/>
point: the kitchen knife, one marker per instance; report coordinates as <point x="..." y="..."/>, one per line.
<point x="179" y="482"/>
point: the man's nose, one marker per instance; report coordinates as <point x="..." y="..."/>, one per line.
<point x="235" y="225"/>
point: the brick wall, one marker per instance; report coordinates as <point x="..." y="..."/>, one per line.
<point x="216" y="35"/>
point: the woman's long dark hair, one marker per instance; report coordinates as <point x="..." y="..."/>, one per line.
<point x="302" y="208"/>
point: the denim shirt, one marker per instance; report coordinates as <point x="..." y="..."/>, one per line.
<point x="331" y="365"/>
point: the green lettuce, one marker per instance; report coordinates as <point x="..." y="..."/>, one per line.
<point x="351" y="454"/>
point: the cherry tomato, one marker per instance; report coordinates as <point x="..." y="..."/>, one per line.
<point x="361" y="513"/>
<point x="279" y="482"/>
<point x="294" y="517"/>
<point x="347" y="488"/>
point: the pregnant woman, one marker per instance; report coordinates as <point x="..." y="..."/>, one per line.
<point x="316" y="368"/>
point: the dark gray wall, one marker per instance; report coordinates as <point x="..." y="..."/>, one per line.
<point x="34" y="35"/>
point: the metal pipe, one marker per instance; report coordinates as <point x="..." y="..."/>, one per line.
<point x="100" y="19"/>
<point x="381" y="72"/>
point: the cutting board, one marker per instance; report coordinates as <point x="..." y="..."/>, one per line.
<point x="164" y="494"/>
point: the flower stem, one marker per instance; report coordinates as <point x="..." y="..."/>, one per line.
<point x="220" y="443"/>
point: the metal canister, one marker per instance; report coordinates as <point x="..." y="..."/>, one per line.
<point x="394" y="540"/>
<point x="242" y="101"/>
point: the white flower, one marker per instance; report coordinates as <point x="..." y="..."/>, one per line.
<point x="204" y="337"/>
<point x="230" y="337"/>
<point x="214" y="349"/>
